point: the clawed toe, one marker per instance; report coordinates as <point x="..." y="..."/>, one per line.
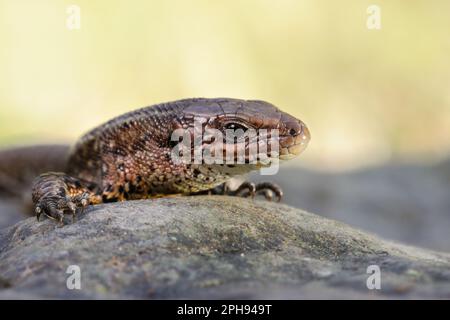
<point x="268" y="194"/>
<point x="246" y="189"/>
<point x="50" y="211"/>
<point x="269" y="189"/>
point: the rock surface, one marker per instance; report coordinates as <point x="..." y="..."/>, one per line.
<point x="211" y="247"/>
<point x="409" y="203"/>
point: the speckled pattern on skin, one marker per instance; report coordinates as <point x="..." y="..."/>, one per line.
<point x="129" y="157"/>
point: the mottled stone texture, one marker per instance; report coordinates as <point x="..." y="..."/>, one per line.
<point x="211" y="247"/>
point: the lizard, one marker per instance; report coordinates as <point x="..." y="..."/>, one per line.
<point x="129" y="157"/>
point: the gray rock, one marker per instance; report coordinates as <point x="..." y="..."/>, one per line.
<point x="211" y="247"/>
<point x="409" y="203"/>
<point x="11" y="211"/>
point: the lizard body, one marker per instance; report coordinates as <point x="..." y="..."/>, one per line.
<point x="129" y="157"/>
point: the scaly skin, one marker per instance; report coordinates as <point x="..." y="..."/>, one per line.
<point x="129" y="157"/>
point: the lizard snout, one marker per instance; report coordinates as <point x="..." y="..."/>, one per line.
<point x="294" y="139"/>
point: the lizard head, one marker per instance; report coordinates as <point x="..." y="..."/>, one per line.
<point x="244" y="127"/>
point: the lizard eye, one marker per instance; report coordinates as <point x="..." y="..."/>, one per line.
<point x="235" y="126"/>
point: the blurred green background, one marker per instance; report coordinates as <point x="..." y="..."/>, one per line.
<point x="368" y="96"/>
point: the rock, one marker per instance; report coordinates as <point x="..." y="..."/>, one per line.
<point x="11" y="211"/>
<point x="408" y="203"/>
<point x="211" y="247"/>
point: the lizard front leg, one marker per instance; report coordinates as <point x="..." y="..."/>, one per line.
<point x="55" y="193"/>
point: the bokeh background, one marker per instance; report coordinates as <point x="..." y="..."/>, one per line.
<point x="377" y="102"/>
<point x="369" y="96"/>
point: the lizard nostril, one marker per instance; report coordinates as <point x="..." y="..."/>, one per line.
<point x="292" y="132"/>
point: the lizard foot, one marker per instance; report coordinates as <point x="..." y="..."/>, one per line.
<point x="250" y="189"/>
<point x="57" y="193"/>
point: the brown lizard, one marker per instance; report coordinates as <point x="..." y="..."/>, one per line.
<point x="129" y="157"/>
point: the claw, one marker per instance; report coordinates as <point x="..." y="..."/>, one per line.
<point x="38" y="211"/>
<point x="280" y="197"/>
<point x="72" y="207"/>
<point x="272" y="188"/>
<point x="268" y="194"/>
<point x="49" y="216"/>
<point x="84" y="203"/>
